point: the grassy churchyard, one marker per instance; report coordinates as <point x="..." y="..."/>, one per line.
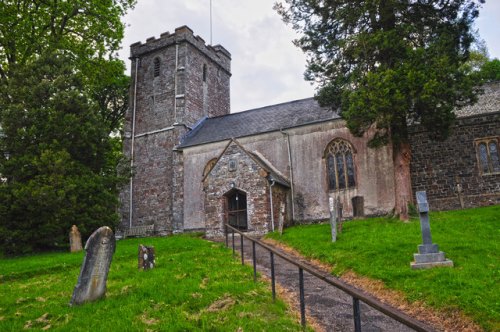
<point x="197" y="285"/>
<point x="382" y="249"/>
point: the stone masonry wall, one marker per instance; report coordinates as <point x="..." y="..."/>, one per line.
<point x="246" y="177"/>
<point x="374" y="171"/>
<point x="437" y="167"/>
<point x="166" y="105"/>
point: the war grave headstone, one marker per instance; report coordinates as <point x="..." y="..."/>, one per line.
<point x="75" y="239"/>
<point x="99" y="250"/>
<point x="428" y="253"/>
<point x="146" y="257"/>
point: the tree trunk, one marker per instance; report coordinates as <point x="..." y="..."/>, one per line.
<point x="402" y="179"/>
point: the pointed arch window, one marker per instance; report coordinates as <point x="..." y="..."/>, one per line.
<point x="340" y="165"/>
<point x="156" y="65"/>
<point x="488" y="155"/>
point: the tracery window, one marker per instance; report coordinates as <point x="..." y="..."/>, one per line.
<point x="487" y="155"/>
<point x="340" y="165"/>
<point x="156" y="69"/>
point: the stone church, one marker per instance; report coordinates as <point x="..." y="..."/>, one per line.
<point x="196" y="166"/>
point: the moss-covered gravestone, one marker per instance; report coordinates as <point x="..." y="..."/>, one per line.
<point x="99" y="251"/>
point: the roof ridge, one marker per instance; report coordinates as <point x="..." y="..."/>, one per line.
<point x="260" y="108"/>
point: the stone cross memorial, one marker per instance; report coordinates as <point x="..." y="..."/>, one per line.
<point x="75" y="239"/>
<point x="99" y="251"/>
<point x="428" y="253"/>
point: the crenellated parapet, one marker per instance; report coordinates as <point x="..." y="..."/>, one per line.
<point x="183" y="34"/>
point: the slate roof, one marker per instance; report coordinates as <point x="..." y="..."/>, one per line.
<point x="488" y="102"/>
<point x="257" y="121"/>
<point x="298" y="113"/>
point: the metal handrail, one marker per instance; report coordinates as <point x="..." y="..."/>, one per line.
<point x="356" y="294"/>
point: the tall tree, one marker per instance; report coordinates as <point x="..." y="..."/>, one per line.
<point x="385" y="64"/>
<point x="62" y="93"/>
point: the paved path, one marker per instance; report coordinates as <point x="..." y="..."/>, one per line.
<point x="331" y="308"/>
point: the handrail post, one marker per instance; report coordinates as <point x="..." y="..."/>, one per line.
<point x="254" y="262"/>
<point x="302" y="298"/>
<point x="226" y="233"/>
<point x="357" y="314"/>
<point x="242" y="254"/>
<point x="234" y="249"/>
<point x="273" y="281"/>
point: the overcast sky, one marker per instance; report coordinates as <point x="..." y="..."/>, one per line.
<point x="267" y="69"/>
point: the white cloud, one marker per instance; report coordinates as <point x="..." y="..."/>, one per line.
<point x="267" y="68"/>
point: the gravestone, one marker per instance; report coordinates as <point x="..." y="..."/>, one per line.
<point x="146" y="257"/>
<point x="281" y="219"/>
<point x="428" y="253"/>
<point x="75" y="239"/>
<point x="333" y="217"/>
<point x="99" y="251"/>
<point x="358" y="207"/>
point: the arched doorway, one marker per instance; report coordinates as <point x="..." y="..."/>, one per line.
<point x="236" y="209"/>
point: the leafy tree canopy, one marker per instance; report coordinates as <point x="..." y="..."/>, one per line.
<point x="62" y="93"/>
<point x="490" y="71"/>
<point x="385" y="63"/>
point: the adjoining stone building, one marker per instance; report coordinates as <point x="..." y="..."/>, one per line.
<point x="196" y="166"/>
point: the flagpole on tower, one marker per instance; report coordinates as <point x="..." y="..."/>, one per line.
<point x="210" y="22"/>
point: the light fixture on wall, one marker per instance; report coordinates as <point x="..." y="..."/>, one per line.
<point x="232" y="185"/>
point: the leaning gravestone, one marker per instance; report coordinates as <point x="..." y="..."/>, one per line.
<point x="75" y="239"/>
<point x="99" y="251"/>
<point x="428" y="253"/>
<point x="146" y="257"/>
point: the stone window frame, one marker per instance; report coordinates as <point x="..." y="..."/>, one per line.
<point x="204" y="72"/>
<point x="156" y="67"/>
<point x="209" y="166"/>
<point x="232" y="165"/>
<point x="490" y="164"/>
<point x="339" y="153"/>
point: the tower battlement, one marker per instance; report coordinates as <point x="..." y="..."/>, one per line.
<point x="216" y="53"/>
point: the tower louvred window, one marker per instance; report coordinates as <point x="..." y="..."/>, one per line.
<point x="156" y="67"/>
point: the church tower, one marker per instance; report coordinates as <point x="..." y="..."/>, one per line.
<point x="177" y="80"/>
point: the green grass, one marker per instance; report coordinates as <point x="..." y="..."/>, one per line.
<point x="181" y="294"/>
<point x="382" y="248"/>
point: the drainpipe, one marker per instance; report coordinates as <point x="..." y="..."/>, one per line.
<point x="131" y="196"/>
<point x="291" y="171"/>
<point x="271" y="184"/>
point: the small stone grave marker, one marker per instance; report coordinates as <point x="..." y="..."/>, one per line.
<point x="99" y="251"/>
<point x="281" y="219"/>
<point x="428" y="253"/>
<point x="333" y="218"/>
<point x="75" y="239"/>
<point x="146" y="257"/>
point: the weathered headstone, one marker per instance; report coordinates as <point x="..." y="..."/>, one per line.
<point x="146" y="257"/>
<point x="333" y="218"/>
<point x="99" y="251"/>
<point x="75" y="239"/>
<point x="281" y="219"/>
<point x="428" y="253"/>
<point x="358" y="207"/>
